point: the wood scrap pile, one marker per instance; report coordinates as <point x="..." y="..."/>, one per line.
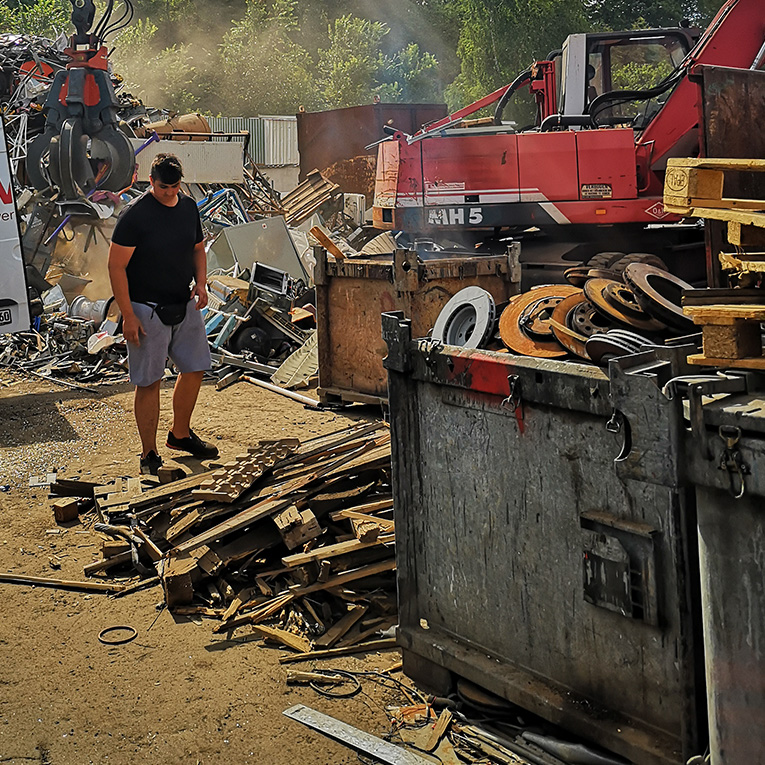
<point x="299" y="535"/>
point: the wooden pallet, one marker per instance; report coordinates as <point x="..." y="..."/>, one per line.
<point x="236" y="477"/>
<point x="694" y="188"/>
<point x="731" y="335"/>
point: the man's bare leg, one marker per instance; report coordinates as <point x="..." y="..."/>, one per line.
<point x="146" y="407"/>
<point x="184" y="400"/>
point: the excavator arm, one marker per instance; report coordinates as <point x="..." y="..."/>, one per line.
<point x="735" y="39"/>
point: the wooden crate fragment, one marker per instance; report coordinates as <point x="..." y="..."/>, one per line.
<point x="731" y="335"/>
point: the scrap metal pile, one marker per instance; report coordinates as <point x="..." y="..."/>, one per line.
<point x="602" y="313"/>
<point x="75" y="165"/>
<point x="296" y="535"/>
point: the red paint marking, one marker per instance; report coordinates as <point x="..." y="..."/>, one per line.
<point x="6" y="196"/>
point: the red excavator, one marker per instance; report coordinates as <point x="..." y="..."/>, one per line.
<point x="587" y="176"/>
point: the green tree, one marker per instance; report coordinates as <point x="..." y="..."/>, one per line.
<point x="46" y="18"/>
<point x="351" y="65"/>
<point x="498" y="40"/>
<point x="411" y="76"/>
<point x="626" y="14"/>
<point x="261" y="70"/>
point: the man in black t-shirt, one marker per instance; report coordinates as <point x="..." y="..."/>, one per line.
<point x="158" y="271"/>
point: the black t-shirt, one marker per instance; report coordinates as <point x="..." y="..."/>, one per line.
<point x="161" y="268"/>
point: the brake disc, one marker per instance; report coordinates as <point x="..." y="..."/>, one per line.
<point x="525" y="324"/>
<point x="618" y="302"/>
<point x="586" y="320"/>
<point x="467" y="320"/>
<point x="562" y="325"/>
<point x="659" y="293"/>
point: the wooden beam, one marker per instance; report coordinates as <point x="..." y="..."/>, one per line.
<point x="61" y="583"/>
<point x="373" y="645"/>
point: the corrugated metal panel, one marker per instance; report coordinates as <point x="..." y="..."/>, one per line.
<point x="281" y="146"/>
<point x="253" y="125"/>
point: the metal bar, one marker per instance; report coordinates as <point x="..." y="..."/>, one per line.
<point x="312" y="402"/>
<point x="354" y="737"/>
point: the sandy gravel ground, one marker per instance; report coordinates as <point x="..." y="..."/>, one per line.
<point x="177" y="693"/>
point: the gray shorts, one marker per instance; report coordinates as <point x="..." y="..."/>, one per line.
<point x="185" y="344"/>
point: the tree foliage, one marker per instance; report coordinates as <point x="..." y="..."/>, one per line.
<point x="45" y="18"/>
<point x="247" y="57"/>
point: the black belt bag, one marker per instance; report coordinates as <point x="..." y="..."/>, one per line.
<point x="170" y="313"/>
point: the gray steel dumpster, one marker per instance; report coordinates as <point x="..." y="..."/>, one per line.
<point x="529" y="561"/>
<point x="729" y="459"/>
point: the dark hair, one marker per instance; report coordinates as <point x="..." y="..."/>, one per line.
<point x="166" y="168"/>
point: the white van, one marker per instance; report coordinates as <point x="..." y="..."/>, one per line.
<point x="14" y="305"/>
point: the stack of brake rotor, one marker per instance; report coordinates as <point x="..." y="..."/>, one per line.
<point x="615" y="305"/>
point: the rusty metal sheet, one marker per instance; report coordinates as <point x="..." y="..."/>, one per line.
<point x="325" y="138"/>
<point x="734" y="112"/>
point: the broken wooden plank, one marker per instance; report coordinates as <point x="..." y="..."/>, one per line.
<point x="439" y="729"/>
<point x="339" y="515"/>
<point x="373" y="645"/>
<point x="288" y="639"/>
<point x="107" y="563"/>
<point x="165" y="491"/>
<point x="341" y="627"/>
<point x="332" y="551"/>
<point x="61" y="583"/>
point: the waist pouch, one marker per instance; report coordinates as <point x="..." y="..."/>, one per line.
<point x="170" y="313"/>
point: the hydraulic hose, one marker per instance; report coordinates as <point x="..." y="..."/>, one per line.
<point x="514" y="85"/>
<point x="604" y="101"/>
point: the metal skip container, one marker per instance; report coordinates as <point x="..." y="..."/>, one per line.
<point x="728" y="460"/>
<point x="540" y="554"/>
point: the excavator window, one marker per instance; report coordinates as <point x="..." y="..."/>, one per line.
<point x="633" y="62"/>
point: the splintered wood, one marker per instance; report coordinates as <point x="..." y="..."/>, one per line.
<point x="294" y="541"/>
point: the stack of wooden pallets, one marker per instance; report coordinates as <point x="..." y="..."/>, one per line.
<point x="729" y="319"/>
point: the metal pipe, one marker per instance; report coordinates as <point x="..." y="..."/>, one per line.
<point x="759" y="58"/>
<point x="312" y="402"/>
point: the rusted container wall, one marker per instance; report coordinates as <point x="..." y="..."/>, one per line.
<point x="325" y="138"/>
<point x="527" y="562"/>
<point x="352" y="294"/>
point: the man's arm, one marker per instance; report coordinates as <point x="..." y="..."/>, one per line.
<point x="119" y="257"/>
<point x="200" y="275"/>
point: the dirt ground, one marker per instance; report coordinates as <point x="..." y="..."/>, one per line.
<point x="177" y="693"/>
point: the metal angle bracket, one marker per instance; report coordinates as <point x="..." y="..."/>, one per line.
<point x="354" y="737"/>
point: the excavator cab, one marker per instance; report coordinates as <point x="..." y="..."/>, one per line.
<point x="592" y="65"/>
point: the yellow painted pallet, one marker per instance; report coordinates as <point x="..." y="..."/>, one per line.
<point x="694" y="188"/>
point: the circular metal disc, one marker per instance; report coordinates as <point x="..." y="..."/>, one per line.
<point x="659" y="293"/>
<point x="467" y="320"/>
<point x="524" y="324"/>
<point x="576" y="275"/>
<point x="586" y="320"/>
<point x="601" y="292"/>
<point x="563" y="329"/>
